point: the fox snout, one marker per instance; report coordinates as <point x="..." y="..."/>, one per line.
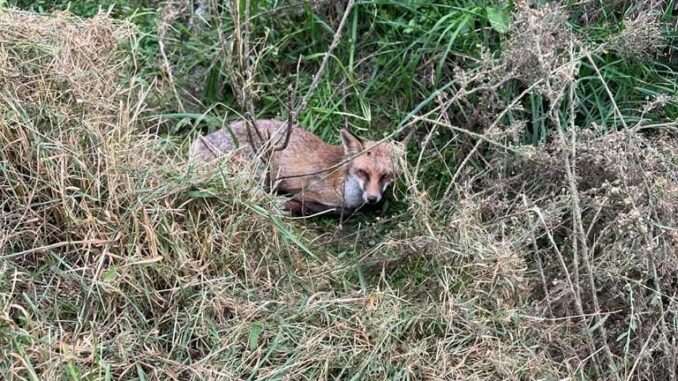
<point x="371" y="195"/>
<point x="372" y="198"/>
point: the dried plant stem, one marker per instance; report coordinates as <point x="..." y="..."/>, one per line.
<point x="651" y="260"/>
<point x="587" y="54"/>
<point x="169" y="14"/>
<point x="243" y="73"/>
<point x="316" y="78"/>
<point x="537" y="256"/>
<point x="580" y="245"/>
<point x="291" y="119"/>
<point x="660" y="321"/>
<point x="577" y="300"/>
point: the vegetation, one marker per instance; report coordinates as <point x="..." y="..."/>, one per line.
<point x="532" y="234"/>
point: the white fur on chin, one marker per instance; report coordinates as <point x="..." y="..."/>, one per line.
<point x="353" y="192"/>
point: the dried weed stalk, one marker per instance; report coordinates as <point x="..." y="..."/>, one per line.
<point x="641" y="36"/>
<point x="539" y="38"/>
<point x="595" y="208"/>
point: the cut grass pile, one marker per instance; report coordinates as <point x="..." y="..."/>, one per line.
<point x="503" y="260"/>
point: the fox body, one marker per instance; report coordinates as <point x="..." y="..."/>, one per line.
<point x="319" y="176"/>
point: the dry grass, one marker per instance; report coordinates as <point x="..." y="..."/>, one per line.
<point x="121" y="261"/>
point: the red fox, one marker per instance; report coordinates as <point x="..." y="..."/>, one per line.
<point x="320" y="177"/>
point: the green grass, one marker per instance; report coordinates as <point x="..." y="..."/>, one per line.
<point x="120" y="261"/>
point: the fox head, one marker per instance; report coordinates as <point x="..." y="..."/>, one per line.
<point x="371" y="165"/>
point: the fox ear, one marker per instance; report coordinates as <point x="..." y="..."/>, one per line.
<point x="352" y="145"/>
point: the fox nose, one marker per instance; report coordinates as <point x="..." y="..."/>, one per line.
<point x="372" y="199"/>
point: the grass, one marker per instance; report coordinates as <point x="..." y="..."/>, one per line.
<point x="532" y="234"/>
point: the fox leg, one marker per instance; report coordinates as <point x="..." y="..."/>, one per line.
<point x="295" y="207"/>
<point x="299" y="209"/>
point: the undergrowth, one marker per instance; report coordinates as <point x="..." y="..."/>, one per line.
<point x="532" y="234"/>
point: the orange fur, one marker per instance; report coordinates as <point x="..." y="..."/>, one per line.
<point x="318" y="176"/>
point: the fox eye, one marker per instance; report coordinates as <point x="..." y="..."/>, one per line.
<point x="363" y="174"/>
<point x="387" y="177"/>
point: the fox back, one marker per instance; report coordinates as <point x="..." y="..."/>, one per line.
<point x="320" y="177"/>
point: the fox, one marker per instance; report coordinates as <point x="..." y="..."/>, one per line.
<point x="319" y="177"/>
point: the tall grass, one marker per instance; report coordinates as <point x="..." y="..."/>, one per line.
<point x="532" y="234"/>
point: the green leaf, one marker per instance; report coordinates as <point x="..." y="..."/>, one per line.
<point x="255" y="332"/>
<point x="499" y="19"/>
<point x="200" y="194"/>
<point x="73" y="371"/>
<point x="109" y="275"/>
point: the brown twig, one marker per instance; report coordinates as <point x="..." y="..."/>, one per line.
<point x="580" y="244"/>
<point x="243" y="76"/>
<point x="291" y="116"/>
<point x="316" y="78"/>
